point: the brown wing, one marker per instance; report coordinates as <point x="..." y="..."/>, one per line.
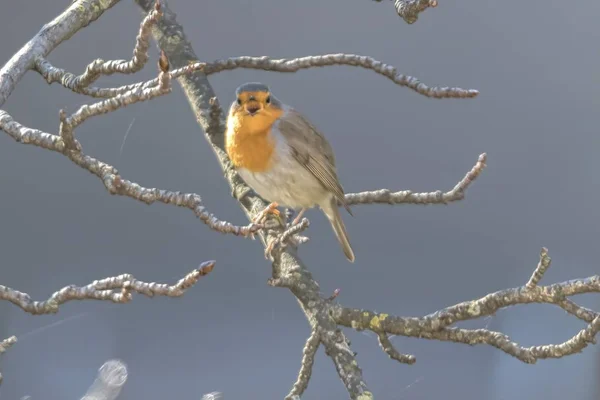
<point x="312" y="151"/>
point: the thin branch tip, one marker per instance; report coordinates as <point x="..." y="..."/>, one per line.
<point x="386" y="196"/>
<point x="117" y="289"/>
<point x="293" y="65"/>
<point x="387" y="346"/>
<point x="308" y="360"/>
<point x="206" y="267"/>
<point x="7" y="343"/>
<point x="540" y="269"/>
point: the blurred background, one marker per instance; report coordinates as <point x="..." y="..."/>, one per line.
<point x="537" y="70"/>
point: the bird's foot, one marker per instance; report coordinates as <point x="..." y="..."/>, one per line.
<point x="271" y="209"/>
<point x="298" y="218"/>
<point x="291" y="235"/>
<point x="269" y="250"/>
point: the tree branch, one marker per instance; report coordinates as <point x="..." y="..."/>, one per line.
<point x="437" y="325"/>
<point x="67" y="145"/>
<point x="79" y="15"/>
<point x="289" y="272"/>
<point x="282" y="65"/>
<point x="288" y="269"/>
<point x="117" y="289"/>
<point x="409" y="10"/>
<point x="308" y="359"/>
<point x="385" y="196"/>
<point x="354" y="60"/>
<point x="387" y="346"/>
<point x="99" y="67"/>
<point x="5" y="345"/>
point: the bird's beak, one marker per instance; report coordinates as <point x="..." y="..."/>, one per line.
<point x="252" y="109"/>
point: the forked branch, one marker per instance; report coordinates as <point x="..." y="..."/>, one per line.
<point x="438" y="325"/>
<point x="282" y="65"/>
<point x="66" y="143"/>
<point x="323" y="313"/>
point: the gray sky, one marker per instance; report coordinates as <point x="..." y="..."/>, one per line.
<point x="536" y="117"/>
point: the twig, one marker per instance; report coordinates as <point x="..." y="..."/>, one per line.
<point x="284" y="65"/>
<point x="529" y="355"/>
<point x="99" y="67"/>
<point x="4" y="345"/>
<point x="116" y="289"/>
<point x="288" y="235"/>
<point x="437" y="325"/>
<point x="296" y="64"/>
<point x="114" y="183"/>
<point x="68" y="124"/>
<point x="387" y="346"/>
<point x="308" y="359"/>
<point x="7" y="343"/>
<point x="409" y="10"/>
<point x="540" y="270"/>
<point x="77" y="16"/>
<point x="385" y="196"/>
<point x="117" y="185"/>
<point x="288" y="269"/>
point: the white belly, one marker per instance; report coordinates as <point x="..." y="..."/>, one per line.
<point x="286" y="182"/>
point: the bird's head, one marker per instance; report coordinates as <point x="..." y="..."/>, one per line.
<point x="255" y="108"/>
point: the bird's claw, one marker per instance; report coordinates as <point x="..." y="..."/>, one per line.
<point x="270" y="209"/>
<point x="269" y="250"/>
<point x="291" y="235"/>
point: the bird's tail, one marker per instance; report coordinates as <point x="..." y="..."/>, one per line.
<point x="335" y="219"/>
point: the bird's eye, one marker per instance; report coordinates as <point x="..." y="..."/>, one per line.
<point x="239" y="102"/>
<point x="268" y="100"/>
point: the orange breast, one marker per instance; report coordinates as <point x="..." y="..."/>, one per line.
<point x="251" y="151"/>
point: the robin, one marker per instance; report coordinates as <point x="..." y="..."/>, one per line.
<point x="284" y="158"/>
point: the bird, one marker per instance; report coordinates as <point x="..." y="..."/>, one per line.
<point x="282" y="156"/>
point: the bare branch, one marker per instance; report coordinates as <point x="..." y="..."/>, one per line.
<point x="111" y="378"/>
<point x="540" y="270"/>
<point x="296" y="64"/>
<point x="308" y="359"/>
<point x="437" y="325"/>
<point x="100" y="67"/>
<point x="288" y="269"/>
<point x="578" y="311"/>
<point x="337" y="347"/>
<point x="5" y="345"/>
<point x="385" y="196"/>
<point x="289" y="235"/>
<point x="409" y="10"/>
<point x="115" y="184"/>
<point x="387" y="346"/>
<point x="293" y="65"/>
<point x="77" y="16"/>
<point x="526" y="354"/>
<point x="117" y="289"/>
<point x="68" y="124"/>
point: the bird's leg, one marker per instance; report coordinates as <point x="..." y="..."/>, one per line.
<point x="299" y="216"/>
<point x="270" y="209"/>
<point x="269" y="249"/>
